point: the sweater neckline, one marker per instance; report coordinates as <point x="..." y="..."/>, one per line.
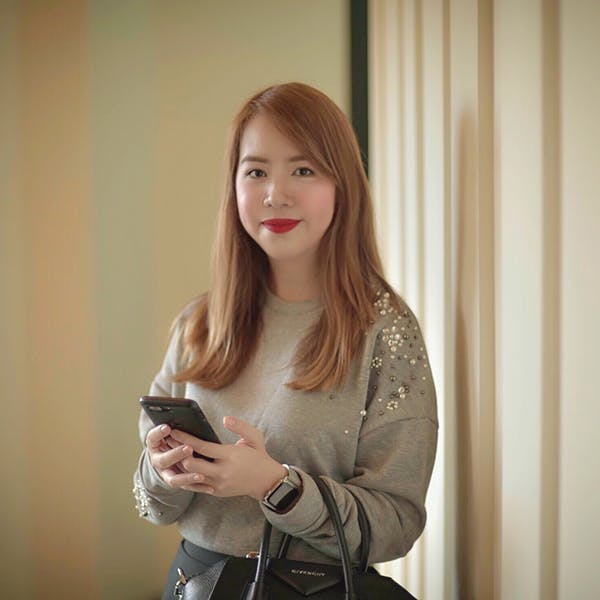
<point x="286" y="307"/>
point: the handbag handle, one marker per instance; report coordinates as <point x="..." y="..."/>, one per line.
<point x="256" y="591"/>
<point x="365" y="536"/>
<point x="336" y="520"/>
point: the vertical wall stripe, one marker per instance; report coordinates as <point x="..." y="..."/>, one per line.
<point x="439" y="528"/>
<point x="55" y="183"/>
<point x="15" y="548"/>
<point x="121" y="54"/>
<point x="448" y="418"/>
<point x="376" y="119"/>
<point x="486" y="475"/>
<point x="579" y="525"/>
<point x="410" y="34"/>
<point x="410" y="185"/>
<point x="520" y="153"/>
<point x="386" y="150"/>
<point x="419" y="151"/>
<point x="551" y="318"/>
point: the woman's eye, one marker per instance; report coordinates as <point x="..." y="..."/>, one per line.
<point x="255" y="173"/>
<point x="304" y="171"/>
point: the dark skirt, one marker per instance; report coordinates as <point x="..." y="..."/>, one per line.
<point x="192" y="560"/>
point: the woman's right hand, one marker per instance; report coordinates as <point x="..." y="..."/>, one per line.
<point x="165" y="455"/>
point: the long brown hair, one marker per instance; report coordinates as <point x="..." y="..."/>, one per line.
<point x="222" y="331"/>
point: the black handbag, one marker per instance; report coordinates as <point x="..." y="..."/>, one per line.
<point x="280" y="578"/>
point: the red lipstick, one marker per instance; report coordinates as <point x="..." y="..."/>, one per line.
<point x="280" y="225"/>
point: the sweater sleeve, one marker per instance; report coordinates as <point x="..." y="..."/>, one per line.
<point x="394" y="458"/>
<point x="156" y="501"/>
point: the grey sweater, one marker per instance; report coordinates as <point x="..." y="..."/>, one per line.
<point x="375" y="435"/>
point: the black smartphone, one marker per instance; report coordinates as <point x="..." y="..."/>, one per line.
<point x="182" y="414"/>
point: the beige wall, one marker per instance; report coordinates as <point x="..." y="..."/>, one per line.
<point x="485" y="165"/>
<point x="113" y="118"/>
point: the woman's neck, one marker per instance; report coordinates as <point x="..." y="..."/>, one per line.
<point x="294" y="285"/>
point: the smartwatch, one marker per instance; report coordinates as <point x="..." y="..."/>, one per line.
<point x="283" y="495"/>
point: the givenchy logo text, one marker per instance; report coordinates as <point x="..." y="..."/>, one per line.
<point x="311" y="573"/>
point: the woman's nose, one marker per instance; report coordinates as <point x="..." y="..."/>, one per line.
<point x="277" y="197"/>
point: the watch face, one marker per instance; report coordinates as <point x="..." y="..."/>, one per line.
<point x="283" y="496"/>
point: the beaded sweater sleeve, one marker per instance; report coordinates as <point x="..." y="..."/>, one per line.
<point x="395" y="451"/>
<point x="155" y="500"/>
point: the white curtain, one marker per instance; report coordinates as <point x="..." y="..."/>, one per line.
<point x="485" y="172"/>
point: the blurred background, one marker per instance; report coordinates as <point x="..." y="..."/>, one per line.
<point x="481" y="131"/>
<point x="114" y="118"/>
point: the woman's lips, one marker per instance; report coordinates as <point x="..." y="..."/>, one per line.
<point x="280" y="225"/>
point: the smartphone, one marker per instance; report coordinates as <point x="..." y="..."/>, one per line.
<point x="182" y="414"/>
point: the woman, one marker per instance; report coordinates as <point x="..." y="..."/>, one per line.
<point x="301" y="354"/>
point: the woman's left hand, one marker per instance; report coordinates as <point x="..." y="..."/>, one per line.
<point x="240" y="469"/>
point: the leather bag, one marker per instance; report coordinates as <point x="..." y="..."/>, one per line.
<point x="280" y="578"/>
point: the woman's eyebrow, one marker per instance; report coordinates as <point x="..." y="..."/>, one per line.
<point x="251" y="158"/>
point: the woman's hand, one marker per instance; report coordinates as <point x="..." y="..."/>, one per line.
<point x="166" y="455"/>
<point x="240" y="469"/>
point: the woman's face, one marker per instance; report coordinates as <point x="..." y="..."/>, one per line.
<point x="284" y="202"/>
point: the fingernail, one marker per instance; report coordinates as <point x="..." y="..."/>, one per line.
<point x="164" y="428"/>
<point x="198" y="477"/>
<point x="185" y="449"/>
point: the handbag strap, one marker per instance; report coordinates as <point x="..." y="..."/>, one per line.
<point x="285" y="544"/>
<point x="336" y="520"/>
<point x="255" y="590"/>
<point x="365" y="536"/>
